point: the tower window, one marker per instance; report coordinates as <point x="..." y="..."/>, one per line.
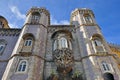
<point x="88" y="18"/>
<point x="106" y="66"/>
<point x="98" y="44"/>
<point x="22" y="66"/>
<point x="35" y="17"/>
<point x="28" y="42"/>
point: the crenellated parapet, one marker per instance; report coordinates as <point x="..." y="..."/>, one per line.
<point x="10" y="32"/>
<point x="82" y="11"/>
<point x="40" y="10"/>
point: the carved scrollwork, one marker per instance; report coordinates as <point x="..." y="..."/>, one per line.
<point x="63" y="59"/>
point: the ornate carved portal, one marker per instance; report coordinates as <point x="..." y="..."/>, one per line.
<point x="63" y="59"/>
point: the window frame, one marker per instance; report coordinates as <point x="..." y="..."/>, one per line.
<point x="3" y="47"/>
<point x="106" y="67"/>
<point x="35" y="18"/>
<point x="88" y="18"/>
<point x="28" y="41"/>
<point x="61" y="42"/>
<point x="22" y="68"/>
<point x="3" y="44"/>
<point x="97" y="43"/>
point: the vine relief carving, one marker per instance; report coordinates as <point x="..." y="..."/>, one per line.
<point x="63" y="59"/>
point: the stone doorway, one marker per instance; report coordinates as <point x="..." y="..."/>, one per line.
<point x="108" y="76"/>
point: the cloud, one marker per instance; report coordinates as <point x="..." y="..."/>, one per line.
<point x="56" y="22"/>
<point x="13" y="25"/>
<point x="17" y="13"/>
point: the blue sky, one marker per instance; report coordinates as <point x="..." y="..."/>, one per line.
<point x="107" y="13"/>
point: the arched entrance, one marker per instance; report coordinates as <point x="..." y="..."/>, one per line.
<point x="108" y="76"/>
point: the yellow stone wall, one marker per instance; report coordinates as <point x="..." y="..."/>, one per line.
<point x="117" y="52"/>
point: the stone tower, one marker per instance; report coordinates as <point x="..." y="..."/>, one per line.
<point x="56" y="52"/>
<point x="96" y="56"/>
<point x="27" y="63"/>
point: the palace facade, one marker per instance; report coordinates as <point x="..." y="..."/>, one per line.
<point x="41" y="51"/>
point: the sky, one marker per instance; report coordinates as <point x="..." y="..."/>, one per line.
<point x="107" y="13"/>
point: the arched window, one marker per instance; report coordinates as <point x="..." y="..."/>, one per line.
<point x="87" y="18"/>
<point x="63" y="43"/>
<point x="105" y="66"/>
<point x="35" y="17"/>
<point x="98" y="44"/>
<point x="22" y="66"/>
<point x="62" y="40"/>
<point x="2" y="46"/>
<point x="28" y="42"/>
<point x="55" y="45"/>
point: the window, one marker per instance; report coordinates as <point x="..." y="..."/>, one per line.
<point x="55" y="45"/>
<point x="35" y="17"/>
<point x="97" y="42"/>
<point x="105" y="66"/>
<point x="62" y="40"/>
<point x="28" y="42"/>
<point x="98" y="45"/>
<point x="2" y="46"/>
<point x="63" y="43"/>
<point x="22" y="66"/>
<point x="88" y="19"/>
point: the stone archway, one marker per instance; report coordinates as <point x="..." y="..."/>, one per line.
<point x="108" y="76"/>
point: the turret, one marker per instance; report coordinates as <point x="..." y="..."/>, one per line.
<point x="3" y="22"/>
<point x="38" y="16"/>
<point x="30" y="47"/>
<point x="83" y="16"/>
<point x="97" y="60"/>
